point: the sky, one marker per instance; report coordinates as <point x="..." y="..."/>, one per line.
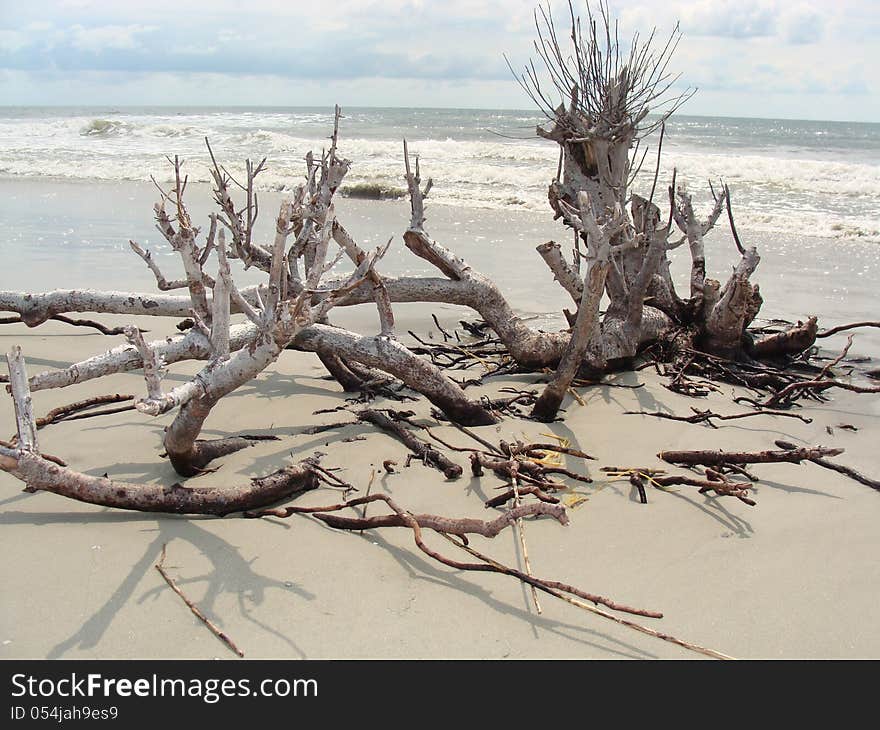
<point x="798" y="59"/>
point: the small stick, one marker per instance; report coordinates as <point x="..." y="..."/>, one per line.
<point x="852" y="473"/>
<point x="192" y="607"/>
<point x="509" y="494"/>
<point x="369" y="487"/>
<point x="818" y="385"/>
<point x="555" y="589"/>
<point x="841" y="328"/>
<point x="66" y="412"/>
<point x="529" y="448"/>
<point x="446" y="335"/>
<point x="476" y="438"/>
<point x="706" y="416"/>
<point x="521" y="530"/>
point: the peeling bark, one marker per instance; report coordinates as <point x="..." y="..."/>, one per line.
<point x="39" y="474"/>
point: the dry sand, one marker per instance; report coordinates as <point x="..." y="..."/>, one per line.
<point x="794" y="576"/>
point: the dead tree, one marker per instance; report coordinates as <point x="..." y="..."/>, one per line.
<point x="596" y="96"/>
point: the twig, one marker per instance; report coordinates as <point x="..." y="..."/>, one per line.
<point x="842" y="327"/>
<point x="706" y="416"/>
<point x="192" y="607"/>
<point x="852" y="473"/>
<point x="556" y="589"/>
<point x="75" y="322"/>
<point x="65" y="413"/>
<point x="521" y="530"/>
<point x="424" y="451"/>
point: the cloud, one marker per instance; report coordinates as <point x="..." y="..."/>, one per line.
<point x="729" y="18"/>
<point x="801" y="24"/>
<point x="744" y="47"/>
<point x="12" y="41"/>
<point x="107" y="37"/>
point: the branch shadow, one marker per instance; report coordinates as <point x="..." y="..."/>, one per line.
<point x="418" y="568"/>
<point x="230" y="573"/>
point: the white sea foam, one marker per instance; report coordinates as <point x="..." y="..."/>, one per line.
<point x="785" y="176"/>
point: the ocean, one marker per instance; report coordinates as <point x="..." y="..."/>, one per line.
<point x="807" y="178"/>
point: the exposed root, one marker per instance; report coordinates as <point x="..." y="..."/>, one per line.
<point x="193" y="462"/>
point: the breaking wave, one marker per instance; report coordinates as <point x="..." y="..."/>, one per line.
<point x="782" y="178"/>
<point x="102" y="128"/>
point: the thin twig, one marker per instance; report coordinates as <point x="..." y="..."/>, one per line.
<point x="192" y="607"/>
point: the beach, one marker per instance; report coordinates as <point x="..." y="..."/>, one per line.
<point x="793" y="576"/>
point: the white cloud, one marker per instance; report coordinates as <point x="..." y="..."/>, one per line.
<point x="796" y="49"/>
<point x="104" y="37"/>
<point x="802" y="24"/>
<point x="729" y="18"/>
<point x="13" y="40"/>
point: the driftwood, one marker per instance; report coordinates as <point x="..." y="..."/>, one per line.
<point x="718" y="483"/>
<point x="790" y="342"/>
<point x="526" y="469"/>
<point x="839" y="468"/>
<point x="844" y="327"/>
<point x="429" y="455"/>
<point x="707" y="416"/>
<point x="72" y="411"/>
<point x="103" y="329"/>
<point x="719" y="458"/>
<point x="39" y="474"/>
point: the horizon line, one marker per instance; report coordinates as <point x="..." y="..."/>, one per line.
<point x="536" y="112"/>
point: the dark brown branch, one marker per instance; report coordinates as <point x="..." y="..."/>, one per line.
<point x="68" y="320"/>
<point x="505" y="497"/>
<point x="706" y="416"/>
<point x="840" y="468"/>
<point x="721" y="486"/>
<point x="719" y="458"/>
<point x="422" y="450"/>
<point x="66" y="412"/>
<point x="815" y="386"/>
<point x="841" y="328"/>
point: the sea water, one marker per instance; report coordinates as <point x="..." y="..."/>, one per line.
<point x="804" y="178"/>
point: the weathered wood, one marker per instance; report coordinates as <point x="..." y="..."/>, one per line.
<point x="39" y="474"/>
<point x="421" y="449"/>
<point x="839" y="468"/>
<point x="585" y="332"/>
<point x="21" y="397"/>
<point x="719" y="458"/>
<point x="788" y="342"/>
